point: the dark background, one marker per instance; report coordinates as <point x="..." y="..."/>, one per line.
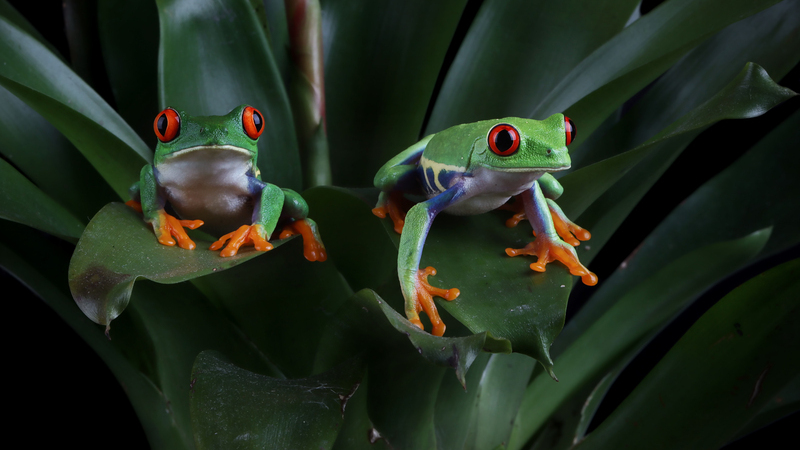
<point x="64" y="393"/>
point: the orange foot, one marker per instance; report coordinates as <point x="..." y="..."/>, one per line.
<point x="548" y="251"/>
<point x="245" y="235"/>
<point x="423" y="301"/>
<point x="313" y="248"/>
<point x="396" y="206"/>
<point x="137" y="206"/>
<point x="167" y="226"/>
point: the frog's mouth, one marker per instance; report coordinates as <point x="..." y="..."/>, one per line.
<point x="232" y="148"/>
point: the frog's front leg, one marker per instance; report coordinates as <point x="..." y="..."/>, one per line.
<point x="552" y="189"/>
<point x="151" y="205"/>
<point x="548" y="246"/>
<point x="295" y="209"/>
<point x="417" y="292"/>
<point x="265" y="219"/>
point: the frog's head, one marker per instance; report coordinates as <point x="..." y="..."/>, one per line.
<point x="180" y="134"/>
<point x="513" y="144"/>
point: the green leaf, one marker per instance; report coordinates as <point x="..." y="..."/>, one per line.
<point x="674" y="25"/>
<point x="358" y="432"/>
<point x="49" y="160"/>
<point x="481" y="415"/>
<point x="739" y="354"/>
<point x="214" y="57"/>
<point x="362" y="325"/>
<point x="24" y="203"/>
<point x="725" y="205"/>
<point x="382" y="60"/>
<point x="501" y="71"/>
<point x="171" y="325"/>
<point x="129" y="39"/>
<point x="767" y="38"/>
<point x="234" y="408"/>
<point x="341" y="215"/>
<point x="750" y="94"/>
<point x="118" y="247"/>
<point x="635" y="318"/>
<point x="40" y="79"/>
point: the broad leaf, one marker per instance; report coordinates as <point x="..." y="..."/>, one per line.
<point x="637" y="316"/>
<point x="40" y="79"/>
<point x="118" y="247"/>
<point x="726" y="205"/>
<point x="25" y="203"/>
<point x="382" y="60"/>
<point x="516" y="52"/>
<point x="214" y="57"/>
<point x="739" y="354"/>
<point x="234" y="408"/>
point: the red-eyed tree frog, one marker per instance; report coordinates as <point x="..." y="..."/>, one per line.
<point x="472" y="169"/>
<point x="205" y="168"/>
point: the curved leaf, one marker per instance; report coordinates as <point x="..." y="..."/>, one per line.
<point x="674" y="25"/>
<point x="481" y="415"/>
<point x="725" y="205"/>
<point x="49" y="160"/>
<point x="739" y="354"/>
<point x="235" y="408"/>
<point x="129" y="39"/>
<point x="635" y="318"/>
<point x="118" y="247"/>
<point x="24" y="203"/>
<point x="382" y="60"/>
<point x="750" y="94"/>
<point x="214" y="57"/>
<point x="35" y="75"/>
<point x="501" y="70"/>
<point x="768" y="39"/>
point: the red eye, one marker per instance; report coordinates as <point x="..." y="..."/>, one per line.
<point x="569" y="129"/>
<point x="504" y="139"/>
<point x="253" y="122"/>
<point x="167" y="125"/>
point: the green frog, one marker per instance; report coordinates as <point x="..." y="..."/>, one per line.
<point x="205" y="169"/>
<point x="472" y="169"/>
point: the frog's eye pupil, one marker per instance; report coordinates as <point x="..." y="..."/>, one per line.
<point x="253" y="122"/>
<point x="162" y="123"/>
<point x="569" y="130"/>
<point x="504" y="139"/>
<point x="167" y="125"/>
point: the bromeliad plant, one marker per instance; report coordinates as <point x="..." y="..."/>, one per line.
<point x="267" y="350"/>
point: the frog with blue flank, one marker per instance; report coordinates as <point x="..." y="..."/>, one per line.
<point x="472" y="169"/>
<point x="205" y="168"/>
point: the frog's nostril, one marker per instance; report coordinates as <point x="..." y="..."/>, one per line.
<point x="549" y="151"/>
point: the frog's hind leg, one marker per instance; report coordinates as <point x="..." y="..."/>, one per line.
<point x="296" y="210"/>
<point x="397" y="177"/>
<point x="548" y="246"/>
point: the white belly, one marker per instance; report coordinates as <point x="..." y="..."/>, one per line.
<point x="210" y="185"/>
<point x="488" y="190"/>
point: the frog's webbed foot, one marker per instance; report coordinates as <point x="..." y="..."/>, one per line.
<point x="166" y="226"/>
<point x="549" y="250"/>
<point x="246" y="234"/>
<point x="422" y="300"/>
<point x="396" y="205"/>
<point x="313" y="248"/>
